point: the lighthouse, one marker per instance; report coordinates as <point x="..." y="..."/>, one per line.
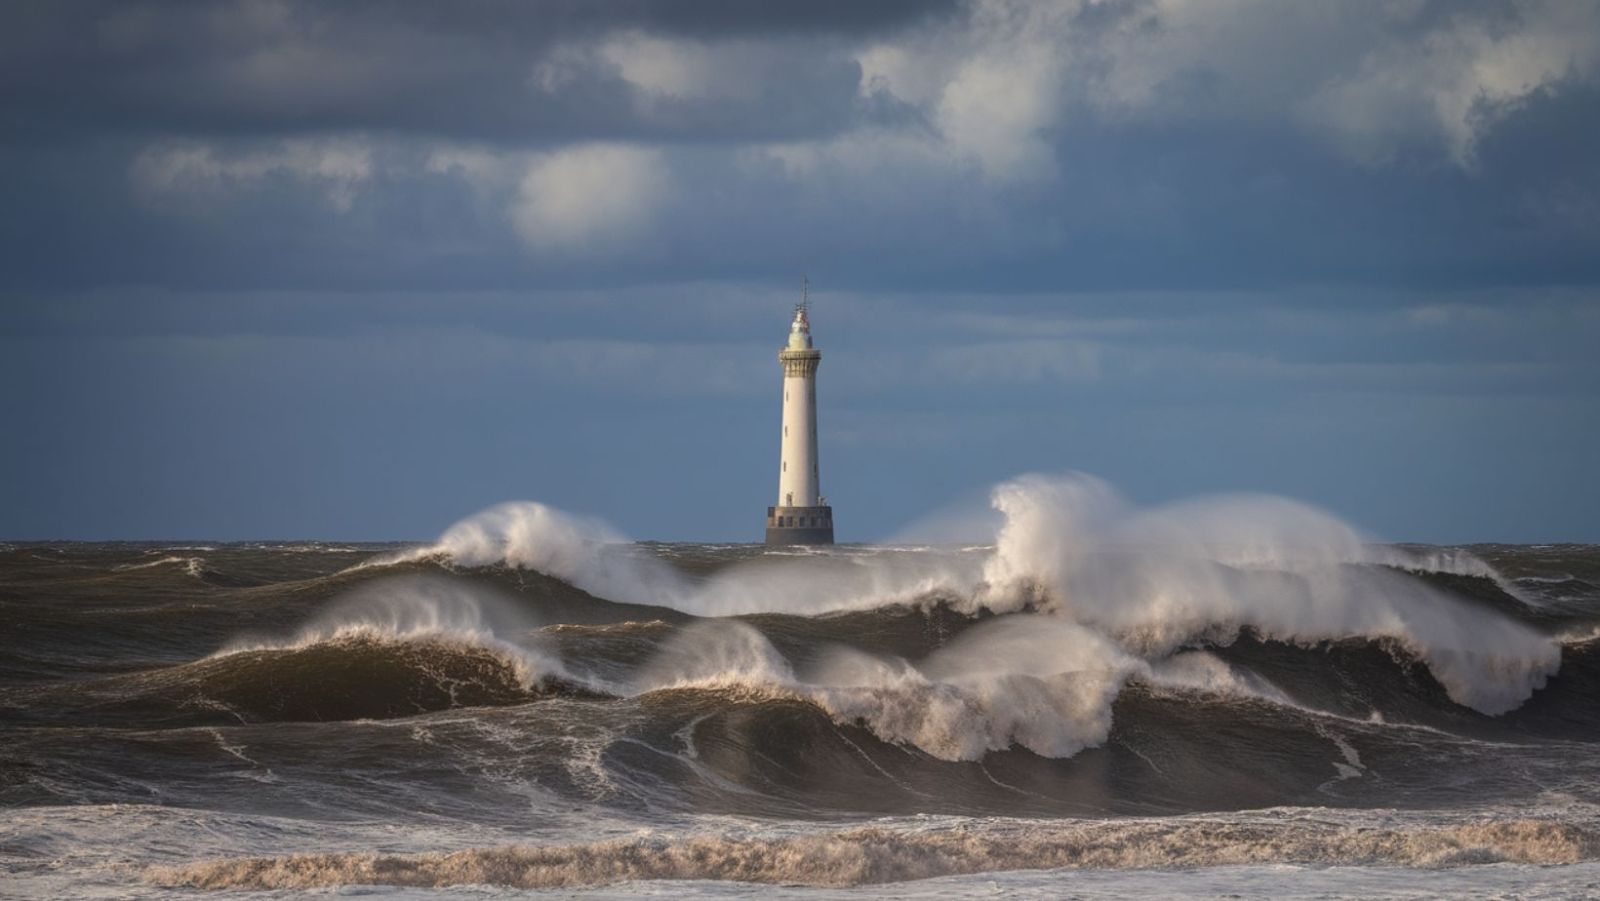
<point x="802" y="514"/>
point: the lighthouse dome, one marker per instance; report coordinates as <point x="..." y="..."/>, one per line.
<point x="800" y="331"/>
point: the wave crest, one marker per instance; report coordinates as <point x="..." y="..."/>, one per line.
<point x="1156" y="580"/>
<point x="1108" y="591"/>
<point x="393" y="647"/>
<point x="1039" y="682"/>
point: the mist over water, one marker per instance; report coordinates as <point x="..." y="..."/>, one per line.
<point x="532" y="700"/>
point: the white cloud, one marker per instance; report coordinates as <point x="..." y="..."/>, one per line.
<point x="658" y="66"/>
<point x="188" y="172"/>
<point x="590" y="193"/>
<point x="478" y="166"/>
<point x="588" y="198"/>
<point x="992" y="91"/>
<point x="998" y="109"/>
<point x="666" y="69"/>
<point x="1371" y="79"/>
<point x="1456" y="82"/>
<point x="951" y="110"/>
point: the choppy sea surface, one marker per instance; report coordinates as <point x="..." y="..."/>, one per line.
<point x="1231" y="697"/>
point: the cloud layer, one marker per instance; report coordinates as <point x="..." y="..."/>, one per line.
<point x="1345" y="251"/>
<point x="1074" y="144"/>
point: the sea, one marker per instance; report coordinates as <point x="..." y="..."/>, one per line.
<point x="1226" y="697"/>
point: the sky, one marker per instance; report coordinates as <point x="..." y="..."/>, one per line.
<point x="275" y="269"/>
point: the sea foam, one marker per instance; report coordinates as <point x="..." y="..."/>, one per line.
<point x="875" y="855"/>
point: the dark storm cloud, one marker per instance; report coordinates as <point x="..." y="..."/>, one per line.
<point x="1310" y="248"/>
<point x="465" y="70"/>
<point x="1088" y="146"/>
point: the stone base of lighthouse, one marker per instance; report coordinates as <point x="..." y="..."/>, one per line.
<point x="799" y="525"/>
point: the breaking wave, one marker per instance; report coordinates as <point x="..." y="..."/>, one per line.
<point x="1114" y="590"/>
<point x="1158" y="579"/>
<point x="1238" y="680"/>
<point x="1038" y="682"/>
<point x="1078" y="610"/>
<point x="394" y="647"/>
<point x="405" y="645"/>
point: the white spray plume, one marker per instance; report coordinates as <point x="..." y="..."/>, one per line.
<point x="1155" y="580"/>
<point x="1122" y="592"/>
<point x="1036" y="681"/>
<point x="582" y="551"/>
<point x="590" y="555"/>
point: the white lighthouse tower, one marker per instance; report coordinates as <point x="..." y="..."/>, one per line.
<point x="802" y="514"/>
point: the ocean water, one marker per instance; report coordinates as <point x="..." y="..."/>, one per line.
<point x="1072" y="697"/>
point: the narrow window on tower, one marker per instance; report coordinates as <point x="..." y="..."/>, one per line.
<point x="786" y="466"/>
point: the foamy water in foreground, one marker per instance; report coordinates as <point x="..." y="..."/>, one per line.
<point x="1282" y="851"/>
